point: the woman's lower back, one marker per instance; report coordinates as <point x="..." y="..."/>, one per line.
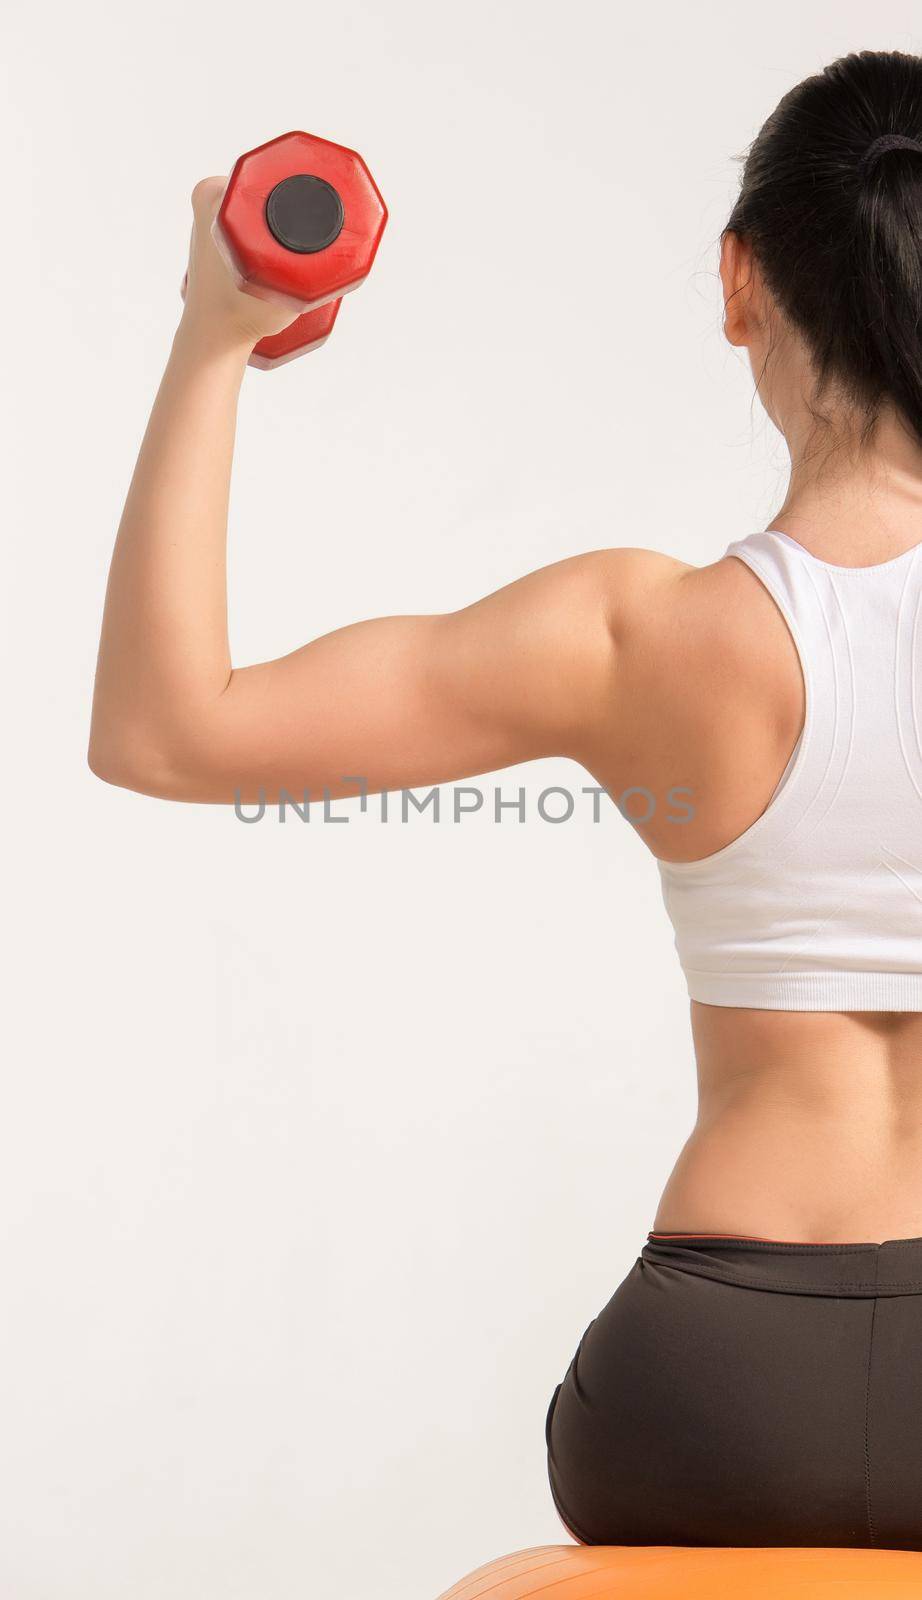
<point x="809" y="1128"/>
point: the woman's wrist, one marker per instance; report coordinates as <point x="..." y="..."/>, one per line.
<point x="202" y="340"/>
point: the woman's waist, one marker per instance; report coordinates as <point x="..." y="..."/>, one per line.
<point x="809" y="1167"/>
<point x="809" y="1126"/>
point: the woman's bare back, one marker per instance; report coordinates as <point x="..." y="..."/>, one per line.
<point x="810" y="1123"/>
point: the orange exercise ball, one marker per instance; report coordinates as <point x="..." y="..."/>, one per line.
<point x="672" y="1572"/>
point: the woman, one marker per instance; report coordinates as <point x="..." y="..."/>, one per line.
<point x="757" y="1377"/>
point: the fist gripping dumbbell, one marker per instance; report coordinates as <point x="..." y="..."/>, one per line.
<point x="299" y="223"/>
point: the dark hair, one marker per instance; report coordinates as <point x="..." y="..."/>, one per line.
<point x="840" y="245"/>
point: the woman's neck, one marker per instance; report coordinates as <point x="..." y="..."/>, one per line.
<point x="855" y="508"/>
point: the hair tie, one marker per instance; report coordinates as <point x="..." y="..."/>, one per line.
<point x="886" y="141"/>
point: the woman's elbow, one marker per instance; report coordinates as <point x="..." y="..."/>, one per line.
<point x="146" y="766"/>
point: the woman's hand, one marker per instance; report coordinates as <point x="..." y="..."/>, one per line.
<point x="213" y="303"/>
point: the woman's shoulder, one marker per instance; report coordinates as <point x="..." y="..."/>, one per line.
<point x="699" y="637"/>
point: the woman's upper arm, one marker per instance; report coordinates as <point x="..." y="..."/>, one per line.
<point x="405" y="701"/>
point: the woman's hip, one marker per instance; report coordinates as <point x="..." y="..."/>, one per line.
<point x="746" y="1392"/>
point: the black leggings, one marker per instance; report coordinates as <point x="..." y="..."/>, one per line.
<point x="745" y="1392"/>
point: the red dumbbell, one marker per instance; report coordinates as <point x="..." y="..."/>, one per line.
<point x="300" y="223"/>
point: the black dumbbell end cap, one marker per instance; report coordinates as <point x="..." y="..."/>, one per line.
<point x="305" y="213"/>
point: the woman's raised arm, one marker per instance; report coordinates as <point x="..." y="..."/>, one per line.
<point x="396" y="701"/>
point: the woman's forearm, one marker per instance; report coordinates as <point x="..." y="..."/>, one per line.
<point x="164" y="657"/>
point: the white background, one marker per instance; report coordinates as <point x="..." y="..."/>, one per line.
<point x="321" y="1145"/>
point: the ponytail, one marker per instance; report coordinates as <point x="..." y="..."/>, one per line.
<point x="831" y="205"/>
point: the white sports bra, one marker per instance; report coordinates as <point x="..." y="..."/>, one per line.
<point x="818" y="905"/>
